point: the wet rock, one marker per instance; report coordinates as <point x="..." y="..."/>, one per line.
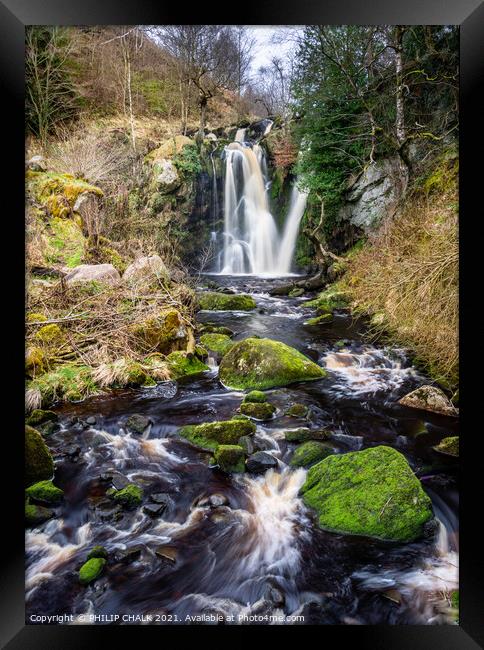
<point x="218" y="301"/>
<point x="162" y="498"/>
<point x="429" y="398"/>
<point x="39" y="464"/>
<point x="129" y="497"/>
<point x="320" y="320"/>
<point x="103" y="273"/>
<point x="260" y="462"/>
<point x="247" y="444"/>
<point x="373" y="492"/>
<point x="230" y="458"/>
<point x="310" y="452"/>
<point x="36" y="515"/>
<point x="302" y="435"/>
<point x="169" y="553"/>
<point x="449" y="446"/>
<point x="45" y="492"/>
<point x="118" y="481"/>
<point x="131" y="554"/>
<point x="296" y="292"/>
<point x="138" y="423"/>
<point x="72" y="451"/>
<point x="91" y="570"/>
<point x="263" y="411"/>
<point x="39" y="416"/>
<point x="48" y="428"/>
<point x="97" y="551"/>
<point x="154" y="509"/>
<point x="283" y="290"/>
<point x="209" y="435"/>
<point x="297" y="411"/>
<point x="212" y="501"/>
<point x="274" y="595"/>
<point x="91" y="420"/>
<point x="264" y="363"/>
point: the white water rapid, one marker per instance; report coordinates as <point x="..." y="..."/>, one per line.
<point x="252" y="243"/>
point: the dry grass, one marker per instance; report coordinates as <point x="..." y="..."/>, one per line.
<point x="408" y="276"/>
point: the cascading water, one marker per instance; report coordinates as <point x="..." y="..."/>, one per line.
<point x="252" y="243"/>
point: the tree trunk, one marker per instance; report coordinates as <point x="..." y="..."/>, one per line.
<point x="400" y="117"/>
<point x="203" y="113"/>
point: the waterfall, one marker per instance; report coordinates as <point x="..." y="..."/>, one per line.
<point x="252" y="243"/>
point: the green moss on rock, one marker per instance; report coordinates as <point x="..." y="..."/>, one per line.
<point x="212" y="434"/>
<point x="264" y="363"/>
<point x="256" y="396"/>
<point x="230" y="458"/>
<point x="91" y="570"/>
<point x="38" y="416"/>
<point x="36" y="362"/>
<point x="129" y="497"/>
<point x="39" y="464"/>
<point x="35" y="515"/>
<point x="208" y="328"/>
<point x="45" y="492"/>
<point x="97" y="551"/>
<point x="257" y="411"/>
<point x="302" y="435"/>
<point x="164" y="332"/>
<point x="181" y="364"/>
<point x="218" y="343"/>
<point x="297" y="411"/>
<point x="214" y="301"/>
<point x="371" y="492"/>
<point x="310" y="452"/>
<point x="319" y="320"/>
<point x="449" y="446"/>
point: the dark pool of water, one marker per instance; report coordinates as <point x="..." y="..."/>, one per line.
<point x="259" y="553"/>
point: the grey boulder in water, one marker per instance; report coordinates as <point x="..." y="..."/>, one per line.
<point x="429" y="398"/>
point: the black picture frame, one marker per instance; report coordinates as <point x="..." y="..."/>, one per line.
<point x="14" y="16"/>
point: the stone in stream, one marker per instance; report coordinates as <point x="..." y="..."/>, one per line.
<point x="257" y="396"/>
<point x="429" y="398"/>
<point x="163" y="499"/>
<point x="154" y="509"/>
<point x="258" y="411"/>
<point x="168" y="553"/>
<point x="218" y="343"/>
<point x="260" y="462"/>
<point x="211" y="434"/>
<point x="39" y="464"/>
<point x="138" y="424"/>
<point x="302" y="435"/>
<point x="36" y="515"/>
<point x="45" y="492"/>
<point x="217" y="301"/>
<point x="297" y="411"/>
<point x="373" y="493"/>
<point x="97" y="551"/>
<point x="264" y="363"/>
<point x="448" y="446"/>
<point x="310" y="452"/>
<point x="39" y="416"/>
<point x="91" y="420"/>
<point x="230" y="458"/>
<point x="91" y="570"/>
<point x="129" y="497"/>
<point x="131" y="554"/>
<point x="211" y="328"/>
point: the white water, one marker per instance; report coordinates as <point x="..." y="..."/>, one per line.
<point x="252" y="243"/>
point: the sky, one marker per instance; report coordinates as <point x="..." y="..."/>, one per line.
<point x="264" y="49"/>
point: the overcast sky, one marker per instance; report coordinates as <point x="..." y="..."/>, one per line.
<point x="265" y="49"/>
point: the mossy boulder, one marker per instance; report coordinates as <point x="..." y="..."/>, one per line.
<point x="373" y="493"/>
<point x="49" y="334"/>
<point x="97" y="551"/>
<point x="36" y="515"/>
<point x="39" y="416"/>
<point x="68" y="381"/>
<point x="297" y="411"/>
<point x="182" y="364"/>
<point x="310" y="452"/>
<point x="39" y="464"/>
<point x="323" y="319"/>
<point x="208" y="328"/>
<point x="214" y="301"/>
<point x="258" y="411"/>
<point x="165" y="332"/>
<point x="449" y="446"/>
<point x="264" y="363"/>
<point x="36" y="361"/>
<point x="257" y="396"/>
<point x="302" y="435"/>
<point x="45" y="492"/>
<point x="218" y="343"/>
<point x="230" y="458"/>
<point x="91" y="570"/>
<point x="429" y="398"/>
<point x="129" y="497"/>
<point x="334" y="297"/>
<point x="212" y="434"/>
<point x="297" y="292"/>
<point x="138" y="423"/>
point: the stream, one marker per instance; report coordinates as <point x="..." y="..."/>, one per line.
<point x="244" y="548"/>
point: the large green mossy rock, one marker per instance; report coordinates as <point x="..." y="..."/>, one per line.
<point x="214" y="301"/>
<point x="182" y="364"/>
<point x="261" y="411"/>
<point x="212" y="434"/>
<point x="129" y="497"/>
<point x="91" y="570"/>
<point x="45" y="492"/>
<point x="264" y="363"/>
<point x="230" y="458"/>
<point x="218" y="343"/>
<point x="371" y="492"/>
<point x="39" y="464"/>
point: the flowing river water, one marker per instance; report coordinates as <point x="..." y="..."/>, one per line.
<point x="244" y="548"/>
